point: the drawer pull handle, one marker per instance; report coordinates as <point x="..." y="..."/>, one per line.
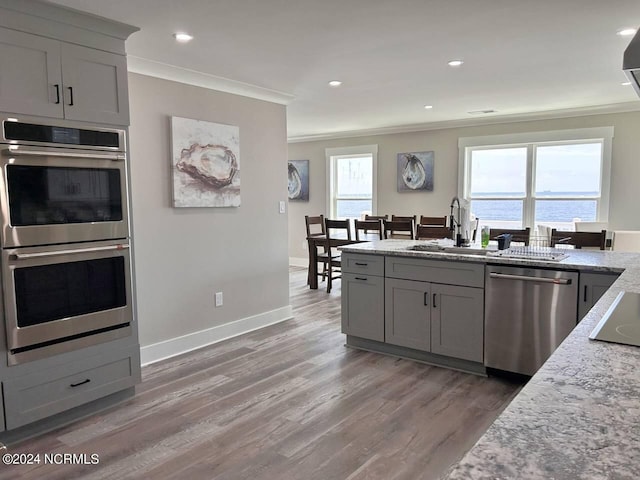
<point x="585" y="294"/>
<point x="361" y="264"/>
<point x="434" y="301"/>
<point x="361" y="278"/>
<point x="73" y="385"/>
<point x="426" y="299"/>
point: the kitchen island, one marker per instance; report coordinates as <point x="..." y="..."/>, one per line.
<point x="579" y="415"/>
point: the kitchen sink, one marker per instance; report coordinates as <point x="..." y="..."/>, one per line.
<point x="481" y="252"/>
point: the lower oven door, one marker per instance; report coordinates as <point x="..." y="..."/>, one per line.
<point x="65" y="297"/>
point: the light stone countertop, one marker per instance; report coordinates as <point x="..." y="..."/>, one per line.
<point x="579" y="415"/>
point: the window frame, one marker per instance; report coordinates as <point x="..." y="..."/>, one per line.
<point x="331" y="155"/>
<point x="531" y="140"/>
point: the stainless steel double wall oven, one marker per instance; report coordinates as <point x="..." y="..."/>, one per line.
<point x="66" y="269"/>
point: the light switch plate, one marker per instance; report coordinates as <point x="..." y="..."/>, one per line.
<point x="282" y="206"/>
<point x="218" y="299"/>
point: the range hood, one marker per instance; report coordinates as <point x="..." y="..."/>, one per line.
<point x="631" y="62"/>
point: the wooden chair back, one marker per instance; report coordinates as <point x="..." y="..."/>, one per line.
<point x="315" y="225"/>
<point x="335" y="230"/>
<point x="376" y="217"/>
<point x="433" y="221"/>
<point x="425" y="232"/>
<point x="400" y="218"/>
<point x="366" y="226"/>
<point x="398" y="229"/>
<point x="517" y="235"/>
<point x="579" y="239"/>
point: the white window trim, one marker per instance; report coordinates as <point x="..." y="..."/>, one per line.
<point x="346" y="151"/>
<point x="522" y="139"/>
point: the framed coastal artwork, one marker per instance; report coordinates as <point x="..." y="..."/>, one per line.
<point x="415" y="171"/>
<point x="205" y="163"/>
<point x="298" y="180"/>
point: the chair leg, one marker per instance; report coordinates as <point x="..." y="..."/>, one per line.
<point x="329" y="277"/>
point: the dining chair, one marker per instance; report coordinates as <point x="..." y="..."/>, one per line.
<point x="433" y="221"/>
<point x="366" y="226"/>
<point x="315" y="228"/>
<point x="424" y="232"/>
<point x="398" y="229"/>
<point x="626" y="241"/>
<point x="401" y="218"/>
<point x="380" y="218"/>
<point x="579" y="239"/>
<point x="517" y="235"/>
<point x="335" y="230"/>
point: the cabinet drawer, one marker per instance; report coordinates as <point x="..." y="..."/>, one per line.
<point x="365" y="264"/>
<point x="437" y="271"/>
<point x="43" y="394"/>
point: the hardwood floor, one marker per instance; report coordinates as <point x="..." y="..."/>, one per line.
<point x="289" y="401"/>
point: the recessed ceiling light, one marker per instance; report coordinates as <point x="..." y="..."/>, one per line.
<point x="428" y="107"/>
<point x="455" y="63"/>
<point x="335" y="83"/>
<point x="626" y="32"/>
<point x="183" y="37"/>
<point x="625" y="84"/>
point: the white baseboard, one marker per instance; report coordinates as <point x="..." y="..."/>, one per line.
<point x="192" y="341"/>
<point x="298" y="262"/>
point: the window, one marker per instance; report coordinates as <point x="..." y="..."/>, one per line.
<point x="351" y="181"/>
<point x="548" y="178"/>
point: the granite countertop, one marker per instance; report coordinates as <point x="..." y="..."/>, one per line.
<point x="579" y="415"/>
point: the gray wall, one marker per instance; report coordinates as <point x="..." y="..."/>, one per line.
<point x="183" y="256"/>
<point x="625" y="169"/>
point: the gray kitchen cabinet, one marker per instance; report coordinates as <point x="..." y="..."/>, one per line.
<point x="591" y="287"/>
<point x="437" y="318"/>
<point x="57" y="79"/>
<point x="407" y="316"/>
<point x="31" y="79"/>
<point x="44" y="393"/>
<point x="363" y="306"/>
<point x="363" y="296"/>
<point x="457" y="322"/>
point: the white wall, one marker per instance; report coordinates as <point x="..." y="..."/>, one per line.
<point x="625" y="169"/>
<point x="183" y="256"/>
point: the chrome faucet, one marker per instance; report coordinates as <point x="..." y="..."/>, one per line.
<point x="455" y="225"/>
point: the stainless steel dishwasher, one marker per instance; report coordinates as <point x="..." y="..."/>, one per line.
<point x="528" y="313"/>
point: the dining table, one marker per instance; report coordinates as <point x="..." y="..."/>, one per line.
<point x="316" y="241"/>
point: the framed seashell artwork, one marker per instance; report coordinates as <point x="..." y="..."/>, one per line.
<point x="298" y="180"/>
<point x="205" y="163"/>
<point x="415" y="171"/>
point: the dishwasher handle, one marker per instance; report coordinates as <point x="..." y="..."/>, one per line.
<point x="526" y="278"/>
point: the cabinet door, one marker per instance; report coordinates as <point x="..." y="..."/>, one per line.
<point x="407" y="313"/>
<point x="457" y="322"/>
<point x="30" y="76"/>
<point x="95" y="85"/>
<point x="592" y="287"/>
<point x="363" y="306"/>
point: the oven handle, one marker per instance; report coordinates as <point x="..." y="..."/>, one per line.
<point x="26" y="256"/>
<point x="18" y="150"/>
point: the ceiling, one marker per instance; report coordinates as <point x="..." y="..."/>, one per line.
<point x="522" y="58"/>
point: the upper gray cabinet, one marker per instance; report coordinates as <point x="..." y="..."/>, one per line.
<point x="50" y="78"/>
<point x="31" y="76"/>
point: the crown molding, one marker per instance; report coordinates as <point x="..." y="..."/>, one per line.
<point x="151" y="68"/>
<point x="475" y="122"/>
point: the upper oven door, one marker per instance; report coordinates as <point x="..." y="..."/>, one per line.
<point x="56" y="195"/>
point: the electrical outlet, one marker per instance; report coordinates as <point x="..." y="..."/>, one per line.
<point x="218" y="299"/>
<point x="305" y="245"/>
<point x="282" y="206"/>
